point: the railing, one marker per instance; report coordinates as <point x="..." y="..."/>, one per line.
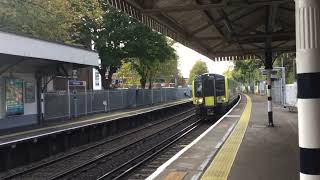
<point x="62" y="105"/>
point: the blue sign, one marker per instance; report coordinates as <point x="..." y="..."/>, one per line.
<point x="76" y="83"/>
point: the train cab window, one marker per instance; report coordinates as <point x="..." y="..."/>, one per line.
<point x="198" y="88"/>
<point x="208" y="89"/>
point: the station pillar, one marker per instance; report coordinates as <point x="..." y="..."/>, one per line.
<point x="268" y="68"/>
<point x="308" y="79"/>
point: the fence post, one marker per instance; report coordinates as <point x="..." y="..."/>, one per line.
<point x="69" y="101"/>
<point x="161" y="98"/>
<point x="75" y="101"/>
<point x="143" y="97"/>
<point x="86" y="102"/>
<point x="42" y="107"/>
<point x="151" y="96"/>
<point x="165" y="95"/>
<point x="108" y="100"/>
<point x="92" y="95"/>
<point x="122" y="98"/>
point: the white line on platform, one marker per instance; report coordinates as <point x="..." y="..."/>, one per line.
<point x="176" y="156"/>
<point x="225" y="136"/>
<point x="233" y="116"/>
<point x="208" y="159"/>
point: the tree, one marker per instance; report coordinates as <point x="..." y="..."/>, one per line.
<point x="51" y="20"/>
<point x="110" y="34"/>
<point x="247" y="71"/>
<point x="149" y="50"/>
<point x="180" y="79"/>
<point x="287" y="60"/>
<point x="197" y="69"/>
<point x="128" y="74"/>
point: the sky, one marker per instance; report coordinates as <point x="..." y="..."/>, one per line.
<point x="187" y="58"/>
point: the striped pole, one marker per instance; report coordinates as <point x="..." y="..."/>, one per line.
<point x="270" y="114"/>
<point x="308" y="70"/>
<point x="268" y="68"/>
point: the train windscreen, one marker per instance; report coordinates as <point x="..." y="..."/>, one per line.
<point x="198" y="88"/>
<point x="208" y="89"/>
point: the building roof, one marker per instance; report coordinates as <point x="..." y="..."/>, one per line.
<point x="219" y="28"/>
<point x="18" y="45"/>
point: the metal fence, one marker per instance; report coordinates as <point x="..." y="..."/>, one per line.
<point x="291" y="95"/>
<point x="277" y="92"/>
<point x="63" y="105"/>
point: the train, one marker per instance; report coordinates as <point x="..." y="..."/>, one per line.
<point x="213" y="94"/>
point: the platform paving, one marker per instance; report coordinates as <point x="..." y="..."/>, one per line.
<point x="268" y="153"/>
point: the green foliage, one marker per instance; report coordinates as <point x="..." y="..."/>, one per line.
<point x="152" y="54"/>
<point x="197" y="69"/>
<point x="118" y="36"/>
<point x="168" y="69"/>
<point x="129" y="74"/>
<point x="246" y="71"/>
<point x="51" y="20"/>
<point x="288" y="61"/>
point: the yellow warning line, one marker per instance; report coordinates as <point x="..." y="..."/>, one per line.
<point x="220" y="167"/>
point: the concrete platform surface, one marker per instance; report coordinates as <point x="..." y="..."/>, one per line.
<point x="54" y="127"/>
<point x="262" y="153"/>
<point x="268" y="153"/>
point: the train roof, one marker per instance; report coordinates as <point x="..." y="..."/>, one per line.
<point x="216" y="76"/>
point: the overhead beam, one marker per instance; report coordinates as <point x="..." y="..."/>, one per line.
<point x="251" y="51"/>
<point x="211" y="24"/>
<point x="253" y="36"/>
<point x="212" y="20"/>
<point x="213" y="6"/>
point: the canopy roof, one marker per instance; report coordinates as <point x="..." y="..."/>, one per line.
<point x="220" y="28"/>
<point x="33" y="48"/>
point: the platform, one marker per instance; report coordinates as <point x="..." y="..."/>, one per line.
<point x="59" y="126"/>
<point x="240" y="146"/>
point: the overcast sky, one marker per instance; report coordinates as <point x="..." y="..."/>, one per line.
<point x="187" y="58"/>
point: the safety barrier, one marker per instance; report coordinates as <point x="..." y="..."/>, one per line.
<point x="57" y="105"/>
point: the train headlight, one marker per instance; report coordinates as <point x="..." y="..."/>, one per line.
<point x="200" y="100"/>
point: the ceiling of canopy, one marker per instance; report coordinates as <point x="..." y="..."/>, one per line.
<point x="220" y="28"/>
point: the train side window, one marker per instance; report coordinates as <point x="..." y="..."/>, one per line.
<point x="220" y="87"/>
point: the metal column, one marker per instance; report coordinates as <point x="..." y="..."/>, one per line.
<point x="308" y="70"/>
<point x="270" y="21"/>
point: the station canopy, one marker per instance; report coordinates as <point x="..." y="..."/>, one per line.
<point x="225" y="29"/>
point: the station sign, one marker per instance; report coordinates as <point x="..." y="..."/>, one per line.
<point x="76" y="83"/>
<point x="265" y="72"/>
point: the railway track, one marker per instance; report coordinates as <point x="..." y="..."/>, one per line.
<point x="108" y="164"/>
<point x="125" y="169"/>
<point x="148" y="167"/>
<point x="54" y="166"/>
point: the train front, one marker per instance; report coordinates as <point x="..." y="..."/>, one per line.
<point x="204" y="94"/>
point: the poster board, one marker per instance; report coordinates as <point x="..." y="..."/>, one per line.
<point x="14" y="97"/>
<point x="29" y="92"/>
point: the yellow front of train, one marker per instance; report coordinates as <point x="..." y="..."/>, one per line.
<point x="209" y="94"/>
